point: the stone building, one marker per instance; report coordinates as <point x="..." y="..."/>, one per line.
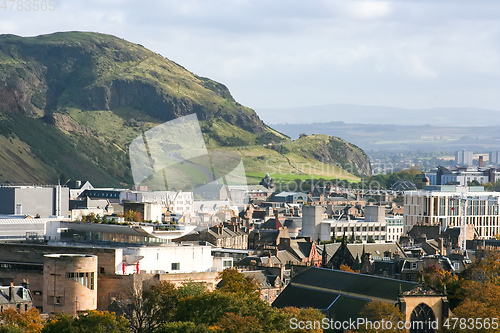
<point x="69" y="283"/>
<point x="16" y="297"/>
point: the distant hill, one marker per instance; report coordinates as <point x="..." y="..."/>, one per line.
<point x="381" y="115"/>
<point x="404" y="138"/>
<point x="71" y="103"/>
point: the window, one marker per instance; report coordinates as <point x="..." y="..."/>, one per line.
<point x="84" y="278"/>
<point x="56" y="300"/>
<point x="176" y="266"/>
<point x="414" y="265"/>
<point x="227" y="263"/>
<point x="456" y="265"/>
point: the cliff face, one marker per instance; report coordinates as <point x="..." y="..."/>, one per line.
<point x="94" y="93"/>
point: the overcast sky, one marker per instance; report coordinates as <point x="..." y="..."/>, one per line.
<point x="284" y="53"/>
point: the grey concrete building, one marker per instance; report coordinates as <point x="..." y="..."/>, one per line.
<point x="41" y="201"/>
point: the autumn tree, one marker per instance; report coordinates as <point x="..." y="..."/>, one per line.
<point x="377" y="311"/>
<point x="132" y="215"/>
<point x="302" y="315"/>
<point x="486" y="269"/>
<point x="438" y="278"/>
<point x="346" y="268"/>
<point x="480" y="300"/>
<point x="29" y="321"/>
<point x="236" y="282"/>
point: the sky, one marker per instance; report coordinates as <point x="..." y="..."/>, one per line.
<point x="286" y="53"/>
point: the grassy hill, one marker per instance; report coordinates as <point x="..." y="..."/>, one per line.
<point x="71" y="103"/>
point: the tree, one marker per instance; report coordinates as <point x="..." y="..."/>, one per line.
<point x="132" y="215"/>
<point x="184" y="327"/>
<point x="302" y="315"/>
<point x="377" y="311"/>
<point x="210" y="309"/>
<point x="29" y="321"/>
<point x="147" y="307"/>
<point x="7" y="328"/>
<point x="236" y="282"/>
<point x="235" y="323"/>
<point x="346" y="268"/>
<point x="486" y="269"/>
<point x="92" y="322"/>
<point x="191" y="288"/>
<point x="480" y="300"/>
<point x="437" y="278"/>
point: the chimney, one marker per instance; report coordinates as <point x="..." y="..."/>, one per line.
<point x="26" y="284"/>
<point x="11" y="292"/>
<point x="481" y="161"/>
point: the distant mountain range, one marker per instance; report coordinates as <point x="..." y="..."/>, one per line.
<point x="381" y="115"/>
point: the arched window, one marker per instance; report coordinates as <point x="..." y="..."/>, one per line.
<point x="421" y="318"/>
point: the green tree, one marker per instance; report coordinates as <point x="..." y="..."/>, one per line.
<point x="92" y="322"/>
<point x="149" y="306"/>
<point x="184" y="327"/>
<point x="191" y="288"/>
<point x="8" y="328"/>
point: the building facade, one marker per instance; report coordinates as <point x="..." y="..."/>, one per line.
<point x="69" y="283"/>
<point x="39" y="201"/>
<point x="463" y="157"/>
<point x="451" y="206"/>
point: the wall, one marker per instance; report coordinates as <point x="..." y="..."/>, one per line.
<point x="311" y="220"/>
<point x="72" y="296"/>
<point x="159" y="259"/>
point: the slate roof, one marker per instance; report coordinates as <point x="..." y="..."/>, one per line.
<point x="286" y="257"/>
<point x="19" y="292"/>
<point x="346" y="292"/>
<point x="293" y="223"/>
<point x="376" y="249"/>
<point x="301" y="247"/>
<point x="272" y="224"/>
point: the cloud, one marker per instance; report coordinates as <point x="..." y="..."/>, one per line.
<point x="294" y="52"/>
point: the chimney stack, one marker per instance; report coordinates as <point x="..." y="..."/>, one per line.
<point x="11" y="292"/>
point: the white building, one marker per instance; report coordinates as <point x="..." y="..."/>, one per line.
<point x="18" y="228"/>
<point x="177" y="202"/>
<point x="374" y="227"/>
<point x="174" y="258"/>
<point x="494" y="157"/>
<point x="463" y="157"/>
<point x="463" y="175"/>
<point x="446" y="205"/>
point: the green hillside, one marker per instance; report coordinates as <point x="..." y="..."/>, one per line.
<point x="71" y="103"/>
